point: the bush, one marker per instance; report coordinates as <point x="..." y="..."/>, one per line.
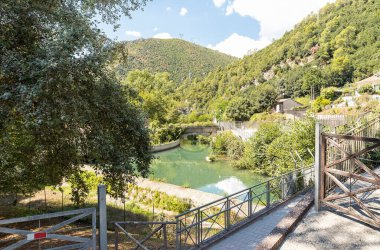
<point x="366" y="89"/>
<point x="167" y="133"/>
<point x="81" y="184"/>
<point x="319" y="104"/>
<point x="329" y="93"/>
<point x="227" y="144"/>
<point x="204" y="139"/>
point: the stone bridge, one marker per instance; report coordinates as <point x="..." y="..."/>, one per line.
<point x="212" y="129"/>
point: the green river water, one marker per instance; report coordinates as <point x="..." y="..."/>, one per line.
<point x="187" y="166"/>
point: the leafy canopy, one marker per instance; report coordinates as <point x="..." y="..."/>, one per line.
<point x="60" y="106"/>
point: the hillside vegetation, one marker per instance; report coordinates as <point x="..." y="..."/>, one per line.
<point x="338" y="45"/>
<point x="181" y="59"/>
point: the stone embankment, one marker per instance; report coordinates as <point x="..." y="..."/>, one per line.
<point x="165" y="146"/>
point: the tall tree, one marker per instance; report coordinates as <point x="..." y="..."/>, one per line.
<point x="59" y="105"/>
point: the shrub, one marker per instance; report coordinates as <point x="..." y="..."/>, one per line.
<point x="319" y="104"/>
<point x="81" y="184"/>
<point x="226" y="143"/>
<point x="329" y="93"/>
<point x="366" y="89"/>
<point x="204" y="139"/>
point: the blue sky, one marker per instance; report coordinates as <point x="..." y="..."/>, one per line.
<point x="231" y="26"/>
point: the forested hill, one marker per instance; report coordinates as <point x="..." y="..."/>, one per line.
<point x="179" y="58"/>
<point x="339" y="44"/>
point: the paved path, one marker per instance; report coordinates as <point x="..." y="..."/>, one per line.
<point x="252" y="234"/>
<point x="329" y="229"/>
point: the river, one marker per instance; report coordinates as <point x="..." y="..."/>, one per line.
<point x="186" y="166"/>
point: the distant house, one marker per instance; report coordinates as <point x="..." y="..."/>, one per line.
<point x="286" y="105"/>
<point x="374" y="81"/>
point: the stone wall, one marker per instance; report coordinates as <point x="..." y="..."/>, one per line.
<point x="165" y="146"/>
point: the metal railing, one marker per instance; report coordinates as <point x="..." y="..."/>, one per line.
<point x="203" y="224"/>
<point x="48" y="234"/>
<point x="140" y="243"/>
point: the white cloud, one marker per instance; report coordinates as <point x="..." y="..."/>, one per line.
<point x="183" y="11"/>
<point x="275" y="16"/>
<point x="237" y="45"/>
<point x="218" y="3"/>
<point x="155" y="29"/>
<point x="133" y="33"/>
<point x="162" y="35"/>
<point x="168" y="8"/>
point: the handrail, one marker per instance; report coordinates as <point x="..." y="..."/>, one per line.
<point x="200" y="225"/>
<point x="243" y="190"/>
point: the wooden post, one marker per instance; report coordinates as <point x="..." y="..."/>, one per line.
<point x="322" y="164"/>
<point x="317" y="166"/>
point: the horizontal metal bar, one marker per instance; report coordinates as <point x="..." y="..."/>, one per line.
<point x="244" y="190"/>
<point x="145" y="222"/>
<point x="15" y="231"/>
<point x="47" y="216"/>
<point x="67" y="238"/>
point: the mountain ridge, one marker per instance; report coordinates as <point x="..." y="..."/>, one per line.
<point x="180" y="58"/>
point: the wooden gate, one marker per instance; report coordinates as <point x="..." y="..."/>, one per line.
<point x="348" y="169"/>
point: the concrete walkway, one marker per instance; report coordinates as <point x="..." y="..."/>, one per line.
<point x="253" y="233"/>
<point x="330" y="229"/>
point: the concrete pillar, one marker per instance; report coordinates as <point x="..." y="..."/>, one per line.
<point x="102" y="208"/>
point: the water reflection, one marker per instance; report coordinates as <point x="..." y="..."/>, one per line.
<point x="227" y="186"/>
<point x="186" y="166"/>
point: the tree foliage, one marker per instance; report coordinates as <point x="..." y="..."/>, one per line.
<point x="339" y="44"/>
<point x="269" y="150"/>
<point x="60" y="105"/>
<point x="181" y="59"/>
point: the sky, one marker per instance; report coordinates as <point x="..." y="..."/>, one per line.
<point x="234" y="27"/>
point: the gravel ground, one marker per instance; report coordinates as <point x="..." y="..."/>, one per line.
<point x="330" y="230"/>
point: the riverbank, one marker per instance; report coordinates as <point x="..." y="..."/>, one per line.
<point x="165" y="146"/>
<point x="197" y="197"/>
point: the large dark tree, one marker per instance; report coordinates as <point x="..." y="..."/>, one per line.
<point x="59" y="105"/>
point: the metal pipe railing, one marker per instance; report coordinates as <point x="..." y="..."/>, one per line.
<point x="197" y="226"/>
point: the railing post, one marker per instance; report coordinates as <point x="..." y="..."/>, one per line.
<point x="94" y="229"/>
<point x="165" y="237"/>
<point x="317" y="167"/>
<point x="268" y="194"/>
<point x="227" y="216"/>
<point x="116" y="238"/>
<point x="178" y="235"/>
<point x="199" y="229"/>
<point x="250" y="202"/>
<point x="102" y="204"/>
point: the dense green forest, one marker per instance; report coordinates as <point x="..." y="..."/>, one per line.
<point x="181" y="59"/>
<point x="337" y="45"/>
